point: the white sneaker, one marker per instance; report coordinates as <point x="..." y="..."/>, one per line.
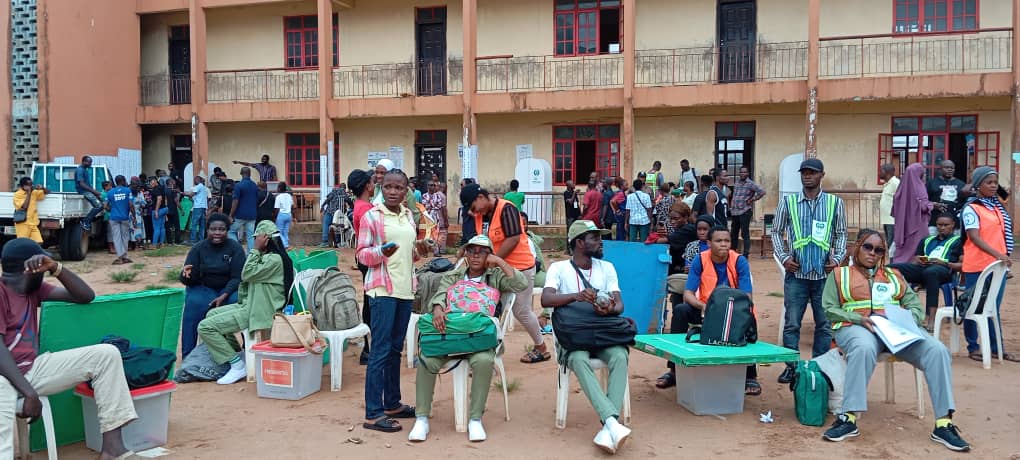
<point x="619" y="433"/>
<point x="476" y="433"/>
<point x="605" y="441"/>
<point x="420" y="430"/>
<point x="235" y="374"/>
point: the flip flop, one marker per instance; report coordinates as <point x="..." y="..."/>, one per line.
<point x="534" y="356"/>
<point x="752" y="387"/>
<point x="975" y="355"/>
<point x="1011" y="357"/>
<point x="384" y="424"/>
<point x="667" y="380"/>
<point x="404" y="411"/>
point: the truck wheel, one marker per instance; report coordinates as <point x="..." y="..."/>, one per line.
<point x="74" y="242"/>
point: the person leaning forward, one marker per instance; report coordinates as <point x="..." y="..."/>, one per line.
<point x="563" y="287"/>
<point x="851" y="303"/>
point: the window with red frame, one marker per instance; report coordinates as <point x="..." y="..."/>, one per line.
<point x="926" y="16"/>
<point x="579" y="150"/>
<point x="303" y="159"/>
<point x="586" y="27"/>
<point x="301" y="35"/>
<point x="930" y="140"/>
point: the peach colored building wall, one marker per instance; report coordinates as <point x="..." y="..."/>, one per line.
<point x="667" y="24"/>
<point x="156" y="141"/>
<point x="250" y="140"/>
<point x="91" y="77"/>
<point x="383" y="31"/>
<point x="529" y="22"/>
<point x="155" y="31"/>
<point x="249" y="37"/>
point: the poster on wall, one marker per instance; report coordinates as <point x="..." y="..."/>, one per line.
<point x="397" y="156"/>
<point x="524" y="151"/>
<point x="374" y="157"/>
<point x="469" y="162"/>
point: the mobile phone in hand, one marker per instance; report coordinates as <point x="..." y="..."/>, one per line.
<point x="388" y="245"/>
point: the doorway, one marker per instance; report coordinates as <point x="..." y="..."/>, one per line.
<point x="584" y="164"/>
<point x="429" y="157"/>
<point x="430" y="41"/>
<point x="737" y="37"/>
<point x="180" y="64"/>
<point x="180" y="151"/>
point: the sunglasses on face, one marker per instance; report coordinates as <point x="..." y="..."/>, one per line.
<point x="878" y="250"/>
<point x="477" y="251"/>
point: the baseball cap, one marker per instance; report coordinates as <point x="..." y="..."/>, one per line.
<point x="813" y="164"/>
<point x="580" y="227"/>
<point x="17" y="251"/>
<point x="469" y="193"/>
<point x="479" y="240"/>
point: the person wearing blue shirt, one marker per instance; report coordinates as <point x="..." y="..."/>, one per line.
<point x="245" y="209"/>
<point x="122" y="213"/>
<point x="701" y="284"/>
<point x="200" y="199"/>
<point x="82" y="184"/>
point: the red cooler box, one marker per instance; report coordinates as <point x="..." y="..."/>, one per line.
<point x="286" y="373"/>
<point x="149" y="430"/>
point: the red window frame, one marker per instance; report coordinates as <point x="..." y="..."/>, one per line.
<point x="301" y="44"/>
<point x="607" y="162"/>
<point x="984" y="152"/>
<point x="302" y="159"/>
<point x="912" y="17"/>
<point x="571" y="20"/>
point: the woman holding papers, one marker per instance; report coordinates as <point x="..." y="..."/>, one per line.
<point x="852" y="298"/>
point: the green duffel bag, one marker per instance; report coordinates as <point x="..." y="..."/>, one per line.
<point x="466" y="333"/>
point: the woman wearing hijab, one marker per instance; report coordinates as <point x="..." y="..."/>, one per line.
<point x="265" y="279"/>
<point x="989" y="238"/>
<point x="911" y="210"/>
<point x="211" y="276"/>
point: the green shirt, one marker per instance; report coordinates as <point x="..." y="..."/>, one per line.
<point x="517" y="198"/>
<point x="261" y="289"/>
<point x="835" y="313"/>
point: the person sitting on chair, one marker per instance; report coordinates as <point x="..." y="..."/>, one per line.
<point x="562" y="287"/>
<point x="265" y="280"/>
<point x="729" y="268"/>
<point x="936" y="259"/>
<point x="484" y="273"/>
<point x="850" y="299"/>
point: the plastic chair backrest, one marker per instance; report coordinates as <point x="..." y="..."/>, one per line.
<point x="997" y="270"/>
<point x="301" y="290"/>
<point x="779" y="264"/>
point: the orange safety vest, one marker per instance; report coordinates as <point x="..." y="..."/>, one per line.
<point x="974" y="258"/>
<point x="521" y="257"/>
<point x="855" y="290"/>
<point x="709" y="278"/>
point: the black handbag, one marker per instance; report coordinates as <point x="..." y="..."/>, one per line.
<point x="729" y="319"/>
<point x="579" y="327"/>
<point x="962" y="301"/>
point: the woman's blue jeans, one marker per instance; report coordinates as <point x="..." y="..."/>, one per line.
<point x="283" y="223"/>
<point x="196" y="305"/>
<point x="382" y="378"/>
<point x="159" y="227"/>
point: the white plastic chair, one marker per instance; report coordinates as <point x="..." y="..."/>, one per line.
<point x="337" y="340"/>
<point x="249" y="355"/>
<point x="21" y="427"/>
<point x="563" y="386"/>
<point x="782" y="316"/>
<point x="997" y="271"/>
<point x="460" y="373"/>
<point x="890" y="382"/>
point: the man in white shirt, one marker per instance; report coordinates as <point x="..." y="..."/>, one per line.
<point x="888" y="174"/>
<point x="563" y="286"/>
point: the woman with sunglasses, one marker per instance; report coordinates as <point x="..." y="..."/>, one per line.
<point x="852" y="297"/>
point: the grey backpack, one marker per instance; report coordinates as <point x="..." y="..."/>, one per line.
<point x="334" y="302"/>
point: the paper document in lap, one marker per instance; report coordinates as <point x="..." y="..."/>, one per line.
<point x="897" y="329"/>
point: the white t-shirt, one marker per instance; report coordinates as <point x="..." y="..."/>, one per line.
<point x="970" y="217"/>
<point x="284" y="202"/>
<point x="562" y="277"/>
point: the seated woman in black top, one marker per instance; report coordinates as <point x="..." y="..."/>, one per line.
<point x="211" y="274"/>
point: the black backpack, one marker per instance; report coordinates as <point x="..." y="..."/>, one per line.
<point x="962" y="301"/>
<point x="729" y="319"/>
<point x="578" y="327"/>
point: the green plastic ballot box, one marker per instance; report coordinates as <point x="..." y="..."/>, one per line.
<point x="146" y="318"/>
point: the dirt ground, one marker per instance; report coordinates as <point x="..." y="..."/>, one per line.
<point x="210" y="421"/>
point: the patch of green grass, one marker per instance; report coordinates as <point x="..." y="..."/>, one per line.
<point x="155" y="287"/>
<point x="171" y="275"/>
<point x="123" y="276"/>
<point x="84" y="266"/>
<point x="138" y="266"/>
<point x="166" y="251"/>
<point x="511" y="386"/>
<point x="775" y="294"/>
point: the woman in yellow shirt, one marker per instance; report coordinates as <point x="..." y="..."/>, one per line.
<point x="30" y="227"/>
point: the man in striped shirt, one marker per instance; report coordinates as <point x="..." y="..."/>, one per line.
<point x="814" y="224"/>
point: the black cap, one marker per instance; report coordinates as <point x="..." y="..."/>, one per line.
<point x="813" y="164"/>
<point x="469" y="193"/>
<point x="16" y="252"/>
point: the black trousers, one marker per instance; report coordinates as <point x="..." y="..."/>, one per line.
<point x="932" y="277"/>
<point x="366" y="311"/>
<point x="173" y="228"/>
<point x="741" y="225"/>
<point x="685" y="316"/>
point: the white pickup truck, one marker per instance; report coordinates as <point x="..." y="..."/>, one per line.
<point x="61" y="212"/>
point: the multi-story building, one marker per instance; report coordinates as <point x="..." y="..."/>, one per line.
<point x="603" y="85"/>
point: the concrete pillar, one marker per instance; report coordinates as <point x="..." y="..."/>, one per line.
<point x="469" y="19"/>
<point x="199" y="130"/>
<point x="810" y="134"/>
<point x="629" y="45"/>
<point x="325" y="16"/>
<point x="1014" y="178"/>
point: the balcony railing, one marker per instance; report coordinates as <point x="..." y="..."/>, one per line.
<point x="256" y="85"/>
<point x="165" y="89"/>
<point x="710" y="64"/>
<point x="424" y="78"/>
<point x="988" y="50"/>
<point x="545" y="73"/>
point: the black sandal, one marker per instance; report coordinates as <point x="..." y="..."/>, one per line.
<point x="534" y="356"/>
<point x="384" y="424"/>
<point x="668" y="380"/>
<point x="752" y="387"/>
<point x="404" y="411"/>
